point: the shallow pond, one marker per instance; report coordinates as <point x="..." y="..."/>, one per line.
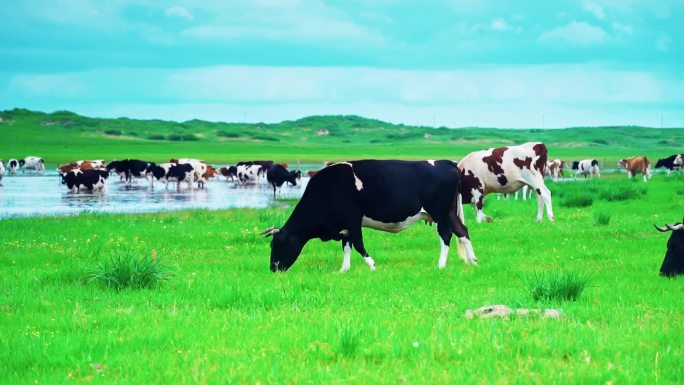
<point x="36" y="195"/>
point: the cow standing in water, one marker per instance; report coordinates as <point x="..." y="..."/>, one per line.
<point x="277" y="175"/>
<point x="387" y="195"/>
<point x="505" y="170"/>
<point x="636" y="164"/>
<point x="2" y="171"/>
<point x="12" y="166"/>
<point x="34" y="163"/>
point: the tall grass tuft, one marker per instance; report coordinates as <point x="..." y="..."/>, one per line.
<point x="556" y="286"/>
<point x="577" y="200"/>
<point x="128" y="269"/>
<point x="622" y="191"/>
<point x="349" y="340"/>
<point x="602" y="218"/>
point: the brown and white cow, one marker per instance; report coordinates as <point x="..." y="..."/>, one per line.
<point x="209" y="173"/>
<point x="634" y="165"/>
<point x="505" y="170"/>
<point x="554" y="169"/>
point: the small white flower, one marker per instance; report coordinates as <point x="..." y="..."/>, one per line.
<point x="416" y="344"/>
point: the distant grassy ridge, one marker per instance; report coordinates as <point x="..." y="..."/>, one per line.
<point x="64" y="136"/>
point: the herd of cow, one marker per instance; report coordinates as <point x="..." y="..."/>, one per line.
<point x="388" y="195"/>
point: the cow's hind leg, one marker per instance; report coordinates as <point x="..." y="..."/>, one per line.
<point x="357" y="241"/>
<point x="346" y="261"/>
<point x="444" y="231"/>
<point x="465" y="247"/>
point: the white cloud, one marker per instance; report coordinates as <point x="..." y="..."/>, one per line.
<point x="595" y="9"/>
<point x="575" y="33"/>
<point x="180" y="12"/>
<point x="663" y="43"/>
<point x="505" y="97"/>
<point x="499" y="24"/>
<point x="624" y="28"/>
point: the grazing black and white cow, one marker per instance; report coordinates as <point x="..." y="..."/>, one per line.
<point x="586" y="167"/>
<point x="505" y="170"/>
<point x="180" y="172"/>
<point x="277" y="175"/>
<point x="387" y="195"/>
<point x="32" y="163"/>
<point x="265" y="164"/>
<point x="77" y="179"/>
<point x="2" y="171"/>
<point x="673" y="264"/>
<point x="12" y="166"/>
<point x="672" y="162"/>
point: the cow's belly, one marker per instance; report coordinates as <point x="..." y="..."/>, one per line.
<point x="395" y="227"/>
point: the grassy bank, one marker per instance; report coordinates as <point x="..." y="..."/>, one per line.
<point x="64" y="136"/>
<point x="224" y="318"/>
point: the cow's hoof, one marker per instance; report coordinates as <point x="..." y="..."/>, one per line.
<point x="344" y="269"/>
<point x="488" y="219"/>
<point x="441" y="266"/>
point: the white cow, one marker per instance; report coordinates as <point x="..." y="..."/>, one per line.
<point x="554" y="169"/>
<point x="12" y="166"/>
<point x="32" y="163"/>
<point x="505" y="170"/>
<point x="586" y="167"/>
<point x="248" y="174"/>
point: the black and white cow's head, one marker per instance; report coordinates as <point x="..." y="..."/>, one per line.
<point x="285" y="248"/>
<point x="673" y="264"/>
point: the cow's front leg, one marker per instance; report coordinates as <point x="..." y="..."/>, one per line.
<point x="346" y="261"/>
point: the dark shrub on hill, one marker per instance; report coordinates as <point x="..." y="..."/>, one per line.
<point x="156" y="137"/>
<point x="113" y="132"/>
<point x="225" y="134"/>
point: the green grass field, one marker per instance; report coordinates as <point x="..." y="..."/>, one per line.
<point x="225" y="318"/>
<point x="62" y="136"/>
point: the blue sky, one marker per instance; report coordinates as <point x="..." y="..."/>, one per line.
<point x="451" y="62"/>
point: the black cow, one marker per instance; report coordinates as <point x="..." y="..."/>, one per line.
<point x="85" y="179"/>
<point x="130" y="168"/>
<point x="180" y="172"/>
<point x="673" y="162"/>
<point x="277" y="175"/>
<point x="673" y="264"/>
<point x="388" y="195"/>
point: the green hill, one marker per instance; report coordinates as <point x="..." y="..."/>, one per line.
<point x="63" y="136"/>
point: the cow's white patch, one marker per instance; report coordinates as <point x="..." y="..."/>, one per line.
<point x="395" y="227"/>
<point x="370" y="262"/>
<point x="431" y="162"/>
<point x="346" y="261"/>
<point x="469" y="252"/>
<point x="443" y="254"/>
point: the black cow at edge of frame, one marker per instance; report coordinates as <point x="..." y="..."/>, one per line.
<point x="673" y="264"/>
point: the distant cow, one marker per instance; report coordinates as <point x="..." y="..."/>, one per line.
<point x="505" y="170"/>
<point x="208" y="173"/>
<point x="63" y="169"/>
<point x="199" y="169"/>
<point x="249" y="173"/>
<point x="229" y="172"/>
<point x="277" y="175"/>
<point x="387" y="195"/>
<point x="181" y="172"/>
<point x="673" y="162"/>
<point x="12" y="166"/>
<point x="160" y="172"/>
<point x="312" y="173"/>
<point x="132" y="168"/>
<point x="77" y="180"/>
<point x="32" y="163"/>
<point x="634" y="165"/>
<point x="2" y="171"/>
<point x="265" y="164"/>
<point x="673" y="264"/>
<point x="586" y="167"/>
<point x="554" y="169"/>
<point x="91" y="164"/>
